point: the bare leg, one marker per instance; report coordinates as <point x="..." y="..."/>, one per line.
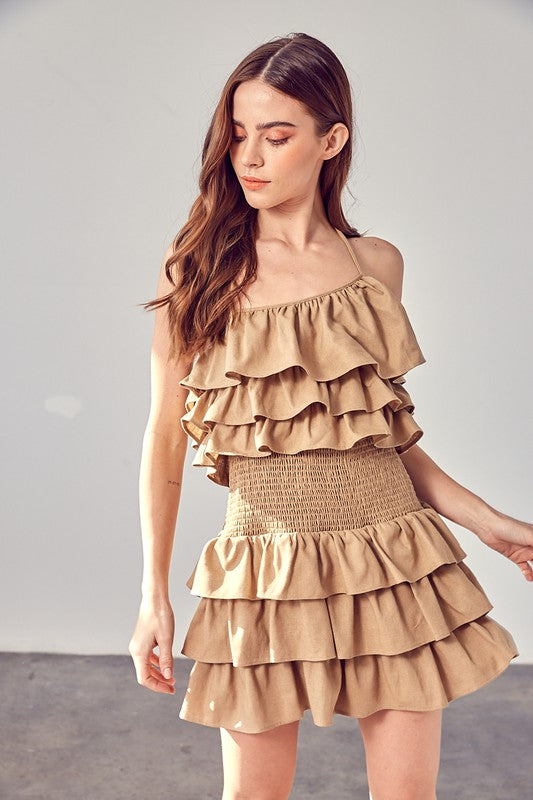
<point x="402" y="750"/>
<point x="259" y="766"/>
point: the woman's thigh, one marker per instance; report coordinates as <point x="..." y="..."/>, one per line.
<point x="402" y="750"/>
<point x="259" y="766"/>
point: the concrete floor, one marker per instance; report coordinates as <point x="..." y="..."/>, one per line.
<point x="81" y="728"/>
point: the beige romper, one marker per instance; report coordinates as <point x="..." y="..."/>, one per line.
<point x="330" y="586"/>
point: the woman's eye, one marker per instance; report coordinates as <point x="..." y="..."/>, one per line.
<point x="275" y="142"/>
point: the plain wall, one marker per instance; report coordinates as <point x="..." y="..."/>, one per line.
<point x="105" y="107"/>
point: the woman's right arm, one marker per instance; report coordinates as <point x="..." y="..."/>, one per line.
<point x="164" y="447"/>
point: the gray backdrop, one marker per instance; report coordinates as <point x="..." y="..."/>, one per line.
<point x="105" y="106"/>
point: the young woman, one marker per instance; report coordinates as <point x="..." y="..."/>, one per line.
<point x="281" y="345"/>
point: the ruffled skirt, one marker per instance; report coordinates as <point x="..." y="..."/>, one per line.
<point x="332" y="587"/>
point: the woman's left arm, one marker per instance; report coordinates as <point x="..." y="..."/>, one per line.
<point x="508" y="536"/>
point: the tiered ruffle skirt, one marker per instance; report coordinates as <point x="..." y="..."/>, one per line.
<point x="331" y="587"/>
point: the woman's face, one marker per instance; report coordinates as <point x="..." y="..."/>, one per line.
<point x="288" y="155"/>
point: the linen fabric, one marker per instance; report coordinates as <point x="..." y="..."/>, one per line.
<point x="331" y="586"/>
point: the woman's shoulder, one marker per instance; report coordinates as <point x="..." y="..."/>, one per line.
<point x="380" y="259"/>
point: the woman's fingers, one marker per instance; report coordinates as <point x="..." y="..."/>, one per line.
<point x="159" y="661"/>
<point x="527" y="570"/>
<point x="148" y="672"/>
<point x="165" y="659"/>
<point x="154" y="628"/>
<point x="158" y="684"/>
<point x="150" y="676"/>
<point x="155" y="660"/>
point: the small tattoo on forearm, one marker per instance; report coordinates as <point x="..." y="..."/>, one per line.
<point x="175" y="483"/>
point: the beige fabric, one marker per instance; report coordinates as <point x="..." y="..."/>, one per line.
<point x="255" y="699"/>
<point x="321" y="372"/>
<point x="330" y="586"/>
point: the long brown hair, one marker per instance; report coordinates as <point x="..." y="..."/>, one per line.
<point x="218" y="239"/>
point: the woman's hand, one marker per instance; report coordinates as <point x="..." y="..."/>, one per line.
<point x="512" y="538"/>
<point x="155" y="627"/>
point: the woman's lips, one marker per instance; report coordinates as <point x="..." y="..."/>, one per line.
<point x="254" y="184"/>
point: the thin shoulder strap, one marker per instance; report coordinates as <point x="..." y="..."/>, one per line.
<point x="350" y="250"/>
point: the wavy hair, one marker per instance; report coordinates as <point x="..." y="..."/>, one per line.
<point x="218" y="240"/>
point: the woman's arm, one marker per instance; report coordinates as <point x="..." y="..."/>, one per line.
<point x="160" y="480"/>
<point x="164" y="448"/>
<point x="511" y="537"/>
<point x="445" y="495"/>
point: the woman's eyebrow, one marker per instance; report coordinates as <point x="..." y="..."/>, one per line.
<point x="261" y="126"/>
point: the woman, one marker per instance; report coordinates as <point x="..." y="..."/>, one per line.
<point x="335" y="584"/>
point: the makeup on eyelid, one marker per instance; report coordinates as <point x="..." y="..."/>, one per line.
<point x="275" y="142"/>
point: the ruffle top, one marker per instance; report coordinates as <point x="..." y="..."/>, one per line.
<point x="321" y="372"/>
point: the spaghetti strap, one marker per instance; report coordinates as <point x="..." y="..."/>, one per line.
<point x="350" y="250"/>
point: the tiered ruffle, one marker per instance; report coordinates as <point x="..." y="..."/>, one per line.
<point x="305" y="606"/>
<point x="423" y="679"/>
<point x="321" y="373"/>
<point x="349" y="622"/>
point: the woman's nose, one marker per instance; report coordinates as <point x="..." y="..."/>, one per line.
<point x="250" y="156"/>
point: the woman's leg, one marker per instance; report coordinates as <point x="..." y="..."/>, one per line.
<point x="259" y="766"/>
<point x="402" y="750"/>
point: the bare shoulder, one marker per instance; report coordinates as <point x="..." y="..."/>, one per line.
<point x="380" y="259"/>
